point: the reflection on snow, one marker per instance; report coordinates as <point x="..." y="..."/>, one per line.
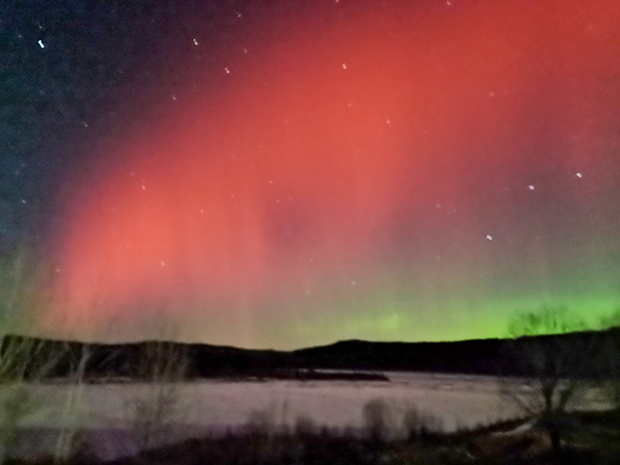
<point x="216" y="405"/>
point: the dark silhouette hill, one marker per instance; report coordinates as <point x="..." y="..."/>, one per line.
<point x="483" y="357"/>
<point x="475" y="356"/>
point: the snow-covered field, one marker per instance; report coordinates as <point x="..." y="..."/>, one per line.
<point x="452" y="400"/>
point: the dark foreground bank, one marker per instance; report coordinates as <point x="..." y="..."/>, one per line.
<point x="591" y="438"/>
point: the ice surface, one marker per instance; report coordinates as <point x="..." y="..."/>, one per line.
<point x="215" y="405"/>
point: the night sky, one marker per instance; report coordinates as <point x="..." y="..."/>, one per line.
<point x="291" y="173"/>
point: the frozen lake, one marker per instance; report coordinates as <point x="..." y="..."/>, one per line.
<point x="214" y="405"/>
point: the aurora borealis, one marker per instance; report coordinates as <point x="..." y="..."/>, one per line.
<point x="416" y="170"/>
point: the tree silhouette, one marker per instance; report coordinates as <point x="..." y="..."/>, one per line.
<point x="551" y="370"/>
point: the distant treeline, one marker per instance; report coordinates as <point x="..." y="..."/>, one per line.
<point x="484" y="357"/>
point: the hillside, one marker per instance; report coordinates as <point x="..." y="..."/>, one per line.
<point x="204" y="360"/>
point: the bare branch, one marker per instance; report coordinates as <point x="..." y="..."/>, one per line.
<point x="543" y="371"/>
<point x="162" y="365"/>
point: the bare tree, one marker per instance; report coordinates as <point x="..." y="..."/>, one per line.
<point x="69" y="440"/>
<point x="542" y="373"/>
<point x="378" y="420"/>
<point x="610" y="359"/>
<point x="162" y="366"/>
<point x="24" y="361"/>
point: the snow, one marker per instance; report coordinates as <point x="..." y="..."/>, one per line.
<point x="215" y="405"/>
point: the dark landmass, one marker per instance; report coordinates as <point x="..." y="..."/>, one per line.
<point x="591" y="438"/>
<point x="349" y="360"/>
<point x="294" y="375"/>
<point x="304" y="374"/>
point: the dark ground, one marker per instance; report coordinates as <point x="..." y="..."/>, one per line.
<point x="593" y="438"/>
